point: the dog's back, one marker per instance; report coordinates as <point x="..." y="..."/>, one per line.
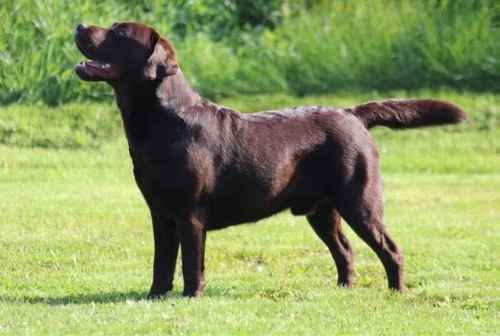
<point x="255" y="165"/>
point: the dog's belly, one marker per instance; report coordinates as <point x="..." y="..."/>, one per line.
<point x="234" y="212"/>
<point x="246" y="204"/>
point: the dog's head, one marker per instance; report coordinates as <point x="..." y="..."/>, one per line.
<point x="126" y="51"/>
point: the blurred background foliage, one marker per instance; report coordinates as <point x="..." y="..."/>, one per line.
<point x="235" y="47"/>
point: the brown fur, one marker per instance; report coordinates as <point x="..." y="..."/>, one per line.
<point x="408" y="113"/>
<point x="202" y="167"/>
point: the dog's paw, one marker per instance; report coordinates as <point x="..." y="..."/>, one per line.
<point x="194" y="291"/>
<point x="193" y="294"/>
<point x="158" y="293"/>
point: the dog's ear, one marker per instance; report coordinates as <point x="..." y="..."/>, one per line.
<point x="162" y="62"/>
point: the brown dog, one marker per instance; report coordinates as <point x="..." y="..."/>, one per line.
<point x="203" y="167"/>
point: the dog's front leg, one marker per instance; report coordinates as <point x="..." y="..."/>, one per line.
<point x="192" y="236"/>
<point x="166" y="249"/>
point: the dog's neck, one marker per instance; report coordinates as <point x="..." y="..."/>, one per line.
<point x="142" y="103"/>
<point x="175" y="93"/>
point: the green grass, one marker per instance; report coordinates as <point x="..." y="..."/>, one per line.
<point x="324" y="48"/>
<point x="67" y="126"/>
<point x="76" y="243"/>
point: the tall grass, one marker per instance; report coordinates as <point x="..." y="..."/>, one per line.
<point x="390" y="45"/>
<point x="333" y="45"/>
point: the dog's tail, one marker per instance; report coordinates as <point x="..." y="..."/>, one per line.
<point x="408" y="113"/>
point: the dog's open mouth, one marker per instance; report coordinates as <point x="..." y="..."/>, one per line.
<point x="96" y="70"/>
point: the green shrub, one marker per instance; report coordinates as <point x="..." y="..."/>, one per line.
<point x="387" y="45"/>
<point x="246" y="47"/>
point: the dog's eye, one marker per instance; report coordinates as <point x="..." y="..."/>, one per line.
<point x="118" y="33"/>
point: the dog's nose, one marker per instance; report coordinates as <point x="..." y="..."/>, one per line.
<point x="80" y="27"/>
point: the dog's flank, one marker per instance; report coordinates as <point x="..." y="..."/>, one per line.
<point x="202" y="167"/>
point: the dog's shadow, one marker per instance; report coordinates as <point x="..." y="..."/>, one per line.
<point x="84" y="298"/>
<point x="100" y="298"/>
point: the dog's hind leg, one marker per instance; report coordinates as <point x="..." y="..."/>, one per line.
<point x="326" y="223"/>
<point x="360" y="204"/>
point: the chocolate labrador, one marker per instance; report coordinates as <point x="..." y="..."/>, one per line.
<point x="203" y="167"/>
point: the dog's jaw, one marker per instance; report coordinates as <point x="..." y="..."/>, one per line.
<point x="97" y="71"/>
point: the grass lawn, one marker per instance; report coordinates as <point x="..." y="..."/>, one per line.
<point x="76" y="249"/>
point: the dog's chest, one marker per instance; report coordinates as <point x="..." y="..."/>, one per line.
<point x="165" y="185"/>
<point x="184" y="170"/>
